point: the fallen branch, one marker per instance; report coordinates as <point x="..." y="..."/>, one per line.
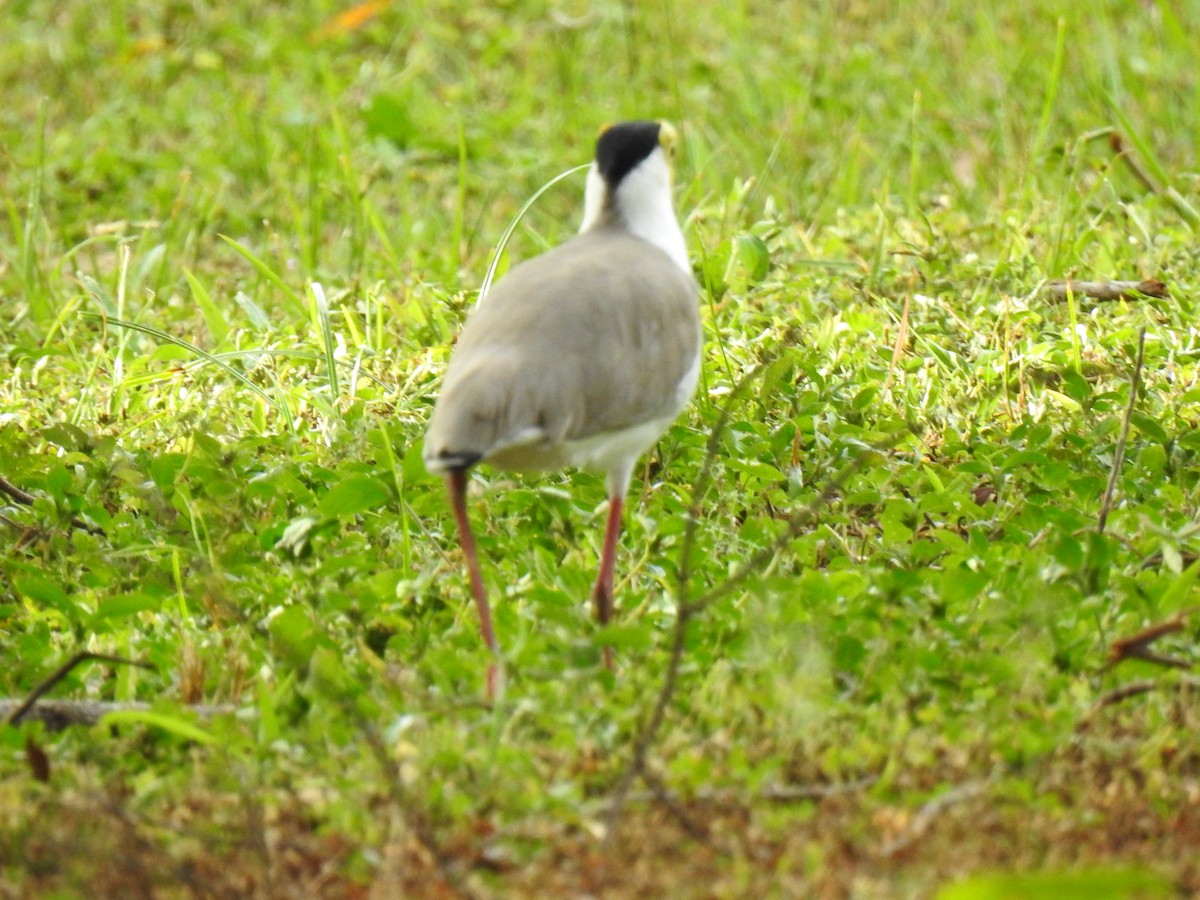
<point x="60" y="714"/>
<point x="22" y="707"/>
<point x="1106" y="290"/>
<point x="768" y="793"/>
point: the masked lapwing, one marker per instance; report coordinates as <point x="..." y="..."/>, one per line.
<point x="579" y="357"/>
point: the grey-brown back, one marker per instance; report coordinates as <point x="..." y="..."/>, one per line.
<point x="592" y="337"/>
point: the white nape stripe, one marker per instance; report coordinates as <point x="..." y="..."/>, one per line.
<point x="643" y="203"/>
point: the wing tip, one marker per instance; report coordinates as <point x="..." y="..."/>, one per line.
<point x="445" y="461"/>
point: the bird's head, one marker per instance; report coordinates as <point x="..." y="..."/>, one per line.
<point x="629" y="183"/>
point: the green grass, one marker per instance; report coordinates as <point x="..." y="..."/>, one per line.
<point x="907" y="698"/>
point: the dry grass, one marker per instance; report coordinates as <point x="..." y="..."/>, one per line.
<point x="1095" y="802"/>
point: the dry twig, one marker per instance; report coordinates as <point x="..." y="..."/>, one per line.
<point x="1136" y="689"/>
<point x="769" y="793"/>
<point x="637" y="763"/>
<point x="925" y="816"/>
<point x="1137" y="646"/>
<point x="26" y="499"/>
<point x="1107" y="290"/>
<point x="1168" y="192"/>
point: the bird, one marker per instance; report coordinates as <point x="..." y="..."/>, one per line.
<point x="580" y="357"/>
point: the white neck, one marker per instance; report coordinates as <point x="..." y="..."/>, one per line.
<point x="642" y="206"/>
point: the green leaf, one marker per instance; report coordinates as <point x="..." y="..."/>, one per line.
<point x="412" y="467"/>
<point x="66" y="435"/>
<point x="328" y="339"/>
<point x="218" y="326"/>
<point x="1150" y="427"/>
<point x="864" y="397"/>
<point x="293" y="636"/>
<point x="1179" y="589"/>
<point x="752" y="254"/>
<point x="124" y="605"/>
<point x="258" y="318"/>
<point x="353" y="495"/>
<point x="267" y="272"/>
<point x="1096" y="884"/>
<point x="44" y="592"/>
<point x="387" y="118"/>
<point x="1023" y="459"/>
<point x="626" y="637"/>
<point x="58" y="483"/>
<point x="165" y="468"/>
<point x="1076" y="386"/>
<point x="175" y="725"/>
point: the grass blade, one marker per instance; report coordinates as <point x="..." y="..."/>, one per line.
<point x="191" y="348"/>
<point x="327" y="338"/>
<point x="266" y="271"/>
<point x="512" y="226"/>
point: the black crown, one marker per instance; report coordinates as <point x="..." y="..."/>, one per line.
<point x="622" y="146"/>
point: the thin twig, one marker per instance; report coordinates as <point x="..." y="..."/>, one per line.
<point x="901" y="339"/>
<point x="1119" y="457"/>
<point x="1125" y="154"/>
<point x="406" y="808"/>
<point x="1169" y="192"/>
<point x="649" y="730"/>
<point x="16" y="714"/>
<point x="664" y="796"/>
<point x="1133" y="689"/>
<point x="770" y="793"/>
<point x="689" y="609"/>
<point x="26" y="499"/>
<point x="23" y="497"/>
<point x="1138" y="646"/>
<point x="1115" y="696"/>
<point x="796" y="523"/>
<point x="924" y="817"/>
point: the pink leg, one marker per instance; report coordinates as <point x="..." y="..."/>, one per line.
<point x="456" y="481"/>
<point x="602" y="594"/>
